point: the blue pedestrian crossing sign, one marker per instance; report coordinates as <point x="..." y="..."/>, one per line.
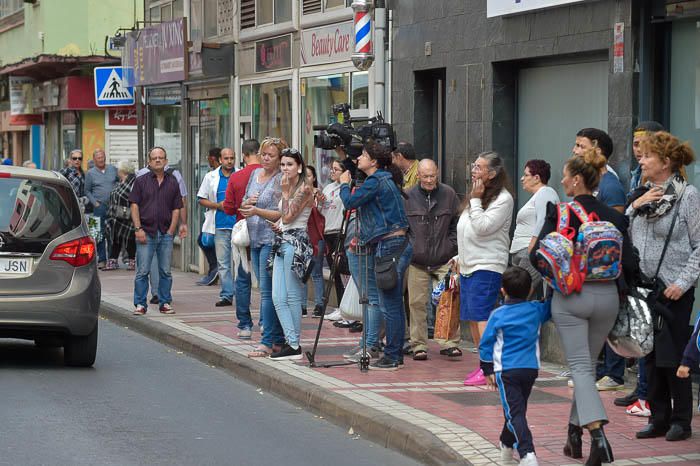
<point x="110" y="90"/>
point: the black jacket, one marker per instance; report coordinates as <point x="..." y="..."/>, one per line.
<point x="433" y="217"/>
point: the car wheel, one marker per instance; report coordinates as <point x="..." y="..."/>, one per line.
<point x="80" y="351"/>
<point x="48" y="342"/>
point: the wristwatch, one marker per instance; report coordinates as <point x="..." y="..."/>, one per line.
<point x="138" y="228"/>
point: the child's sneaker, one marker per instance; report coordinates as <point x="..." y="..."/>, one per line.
<point x="639" y="408"/>
<point x="475" y="380"/>
<point x="506" y="454"/>
<point x="528" y="460"/>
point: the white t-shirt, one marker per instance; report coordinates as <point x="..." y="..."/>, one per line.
<point x="483" y="235"/>
<point x="332" y="208"/>
<point x="530" y="218"/>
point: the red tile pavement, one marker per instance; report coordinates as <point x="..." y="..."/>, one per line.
<point x="433" y="386"/>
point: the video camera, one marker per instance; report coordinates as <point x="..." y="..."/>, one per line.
<point x="344" y="134"/>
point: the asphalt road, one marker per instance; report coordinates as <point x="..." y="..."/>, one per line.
<point x="145" y="404"/>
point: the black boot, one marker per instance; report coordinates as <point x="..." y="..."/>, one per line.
<point x="601" y="452"/>
<point x="572" y="449"/>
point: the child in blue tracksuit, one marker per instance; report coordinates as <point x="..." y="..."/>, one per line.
<point x="691" y="355"/>
<point x="510" y="358"/>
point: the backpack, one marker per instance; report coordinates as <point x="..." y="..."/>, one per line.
<point x="598" y="248"/>
<point x="315" y="228"/>
<point x="556" y="255"/>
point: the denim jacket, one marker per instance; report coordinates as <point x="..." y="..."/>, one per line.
<point x="381" y="209"/>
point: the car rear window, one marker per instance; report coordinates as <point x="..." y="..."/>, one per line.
<point x="33" y="213"/>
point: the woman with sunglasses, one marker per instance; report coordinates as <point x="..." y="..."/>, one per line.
<point x="292" y="252"/>
<point x="260" y="208"/>
<point x="382" y="225"/>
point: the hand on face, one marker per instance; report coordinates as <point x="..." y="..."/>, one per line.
<point x="478" y="189"/>
<point x="345" y="177"/>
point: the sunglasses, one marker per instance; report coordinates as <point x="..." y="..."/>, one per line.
<point x="290" y="151"/>
<point x="76" y="158"/>
<point x="273" y="140"/>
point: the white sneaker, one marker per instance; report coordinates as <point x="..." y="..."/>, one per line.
<point x="608" y="384"/>
<point x="334" y="316"/>
<point x="506" y="454"/>
<point x="352" y="352"/>
<point x="570" y="383"/>
<point x="639" y="408"/>
<point x="529" y="460"/>
<point x="245" y="334"/>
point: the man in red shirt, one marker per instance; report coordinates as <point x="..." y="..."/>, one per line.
<point x="235" y="191"/>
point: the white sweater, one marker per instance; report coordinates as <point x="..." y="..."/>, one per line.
<point x="483" y="237"/>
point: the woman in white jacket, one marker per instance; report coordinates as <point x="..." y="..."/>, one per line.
<point x="483" y="242"/>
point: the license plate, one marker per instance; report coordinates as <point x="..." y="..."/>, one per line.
<point x="13" y="266"/>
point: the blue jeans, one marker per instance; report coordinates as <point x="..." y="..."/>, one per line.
<point x="287" y="294"/>
<point x="319" y="284"/>
<point x="613" y="366"/>
<point x="101" y="213"/>
<point x="272" y="330"/>
<point x="242" y="289"/>
<point x="375" y="318"/>
<point x="160" y="247"/>
<point x="642" y="384"/>
<point x="222" y="243"/>
<point x="392" y="300"/>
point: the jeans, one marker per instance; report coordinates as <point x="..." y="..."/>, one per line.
<point x="272" y="330"/>
<point x="392" y="300"/>
<point x="613" y="366"/>
<point x="160" y="247"/>
<point x="242" y="287"/>
<point x="362" y="271"/>
<point x="287" y="292"/>
<point x="642" y="383"/>
<point x="222" y="243"/>
<point x="317" y="278"/>
<point x="101" y="213"/>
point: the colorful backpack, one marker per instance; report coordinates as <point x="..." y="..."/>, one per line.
<point x="598" y="248"/>
<point x="556" y="255"/>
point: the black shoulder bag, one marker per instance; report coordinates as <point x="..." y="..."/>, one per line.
<point x="385" y="272"/>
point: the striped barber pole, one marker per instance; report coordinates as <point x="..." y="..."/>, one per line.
<point x="363" y="32"/>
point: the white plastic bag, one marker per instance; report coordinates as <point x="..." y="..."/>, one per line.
<point x="240" y="240"/>
<point x="350" y="307"/>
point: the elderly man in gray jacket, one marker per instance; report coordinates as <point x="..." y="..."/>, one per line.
<point x="433" y="211"/>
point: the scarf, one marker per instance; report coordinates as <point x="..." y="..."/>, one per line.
<point x="673" y="190"/>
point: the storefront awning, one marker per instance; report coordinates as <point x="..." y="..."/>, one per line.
<point x="45" y="67"/>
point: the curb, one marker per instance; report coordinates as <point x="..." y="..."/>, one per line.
<point x="374" y="425"/>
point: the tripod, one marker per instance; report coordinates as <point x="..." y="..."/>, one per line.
<point x="362" y="252"/>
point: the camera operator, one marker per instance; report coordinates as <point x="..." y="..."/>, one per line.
<point x="383" y="226"/>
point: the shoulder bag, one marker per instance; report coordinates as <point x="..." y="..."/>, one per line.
<point x="632" y="335"/>
<point x="387" y="277"/>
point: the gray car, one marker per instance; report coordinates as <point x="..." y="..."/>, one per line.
<point x="49" y="287"/>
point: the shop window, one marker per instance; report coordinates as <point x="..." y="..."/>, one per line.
<point x="271" y="105"/>
<point x="165" y="132"/>
<point x="8" y="7"/>
<point x="685" y="89"/>
<point x="360" y="91"/>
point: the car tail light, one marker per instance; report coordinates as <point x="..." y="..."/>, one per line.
<point x="77" y="252"/>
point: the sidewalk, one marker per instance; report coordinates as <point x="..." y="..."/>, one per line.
<point x="422" y="410"/>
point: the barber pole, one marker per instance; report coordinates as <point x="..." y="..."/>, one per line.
<point x="363" y="56"/>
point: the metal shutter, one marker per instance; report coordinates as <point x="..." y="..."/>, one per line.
<point x="122" y="145"/>
<point x="247" y="14"/>
<point x="312" y="6"/>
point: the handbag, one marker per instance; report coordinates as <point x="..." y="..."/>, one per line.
<point x="447" y="315"/>
<point x="386" y="275"/>
<point x="208" y="240"/>
<point x="122" y="212"/>
<point x="641" y="314"/>
<point x="350" y="307"/>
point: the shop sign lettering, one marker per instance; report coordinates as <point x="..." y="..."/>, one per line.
<point x="327" y="44"/>
<point x="273" y="54"/>
<point x="156" y="54"/>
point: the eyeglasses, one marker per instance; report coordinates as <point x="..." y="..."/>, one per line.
<point x="339" y="170"/>
<point x="476" y="168"/>
<point x="76" y="158"/>
<point x="290" y="151"/>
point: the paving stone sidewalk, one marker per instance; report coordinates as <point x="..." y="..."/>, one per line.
<point x="423" y="410"/>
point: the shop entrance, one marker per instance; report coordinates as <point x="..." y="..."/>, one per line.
<point x="429" y="116"/>
<point x="553" y="104"/>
